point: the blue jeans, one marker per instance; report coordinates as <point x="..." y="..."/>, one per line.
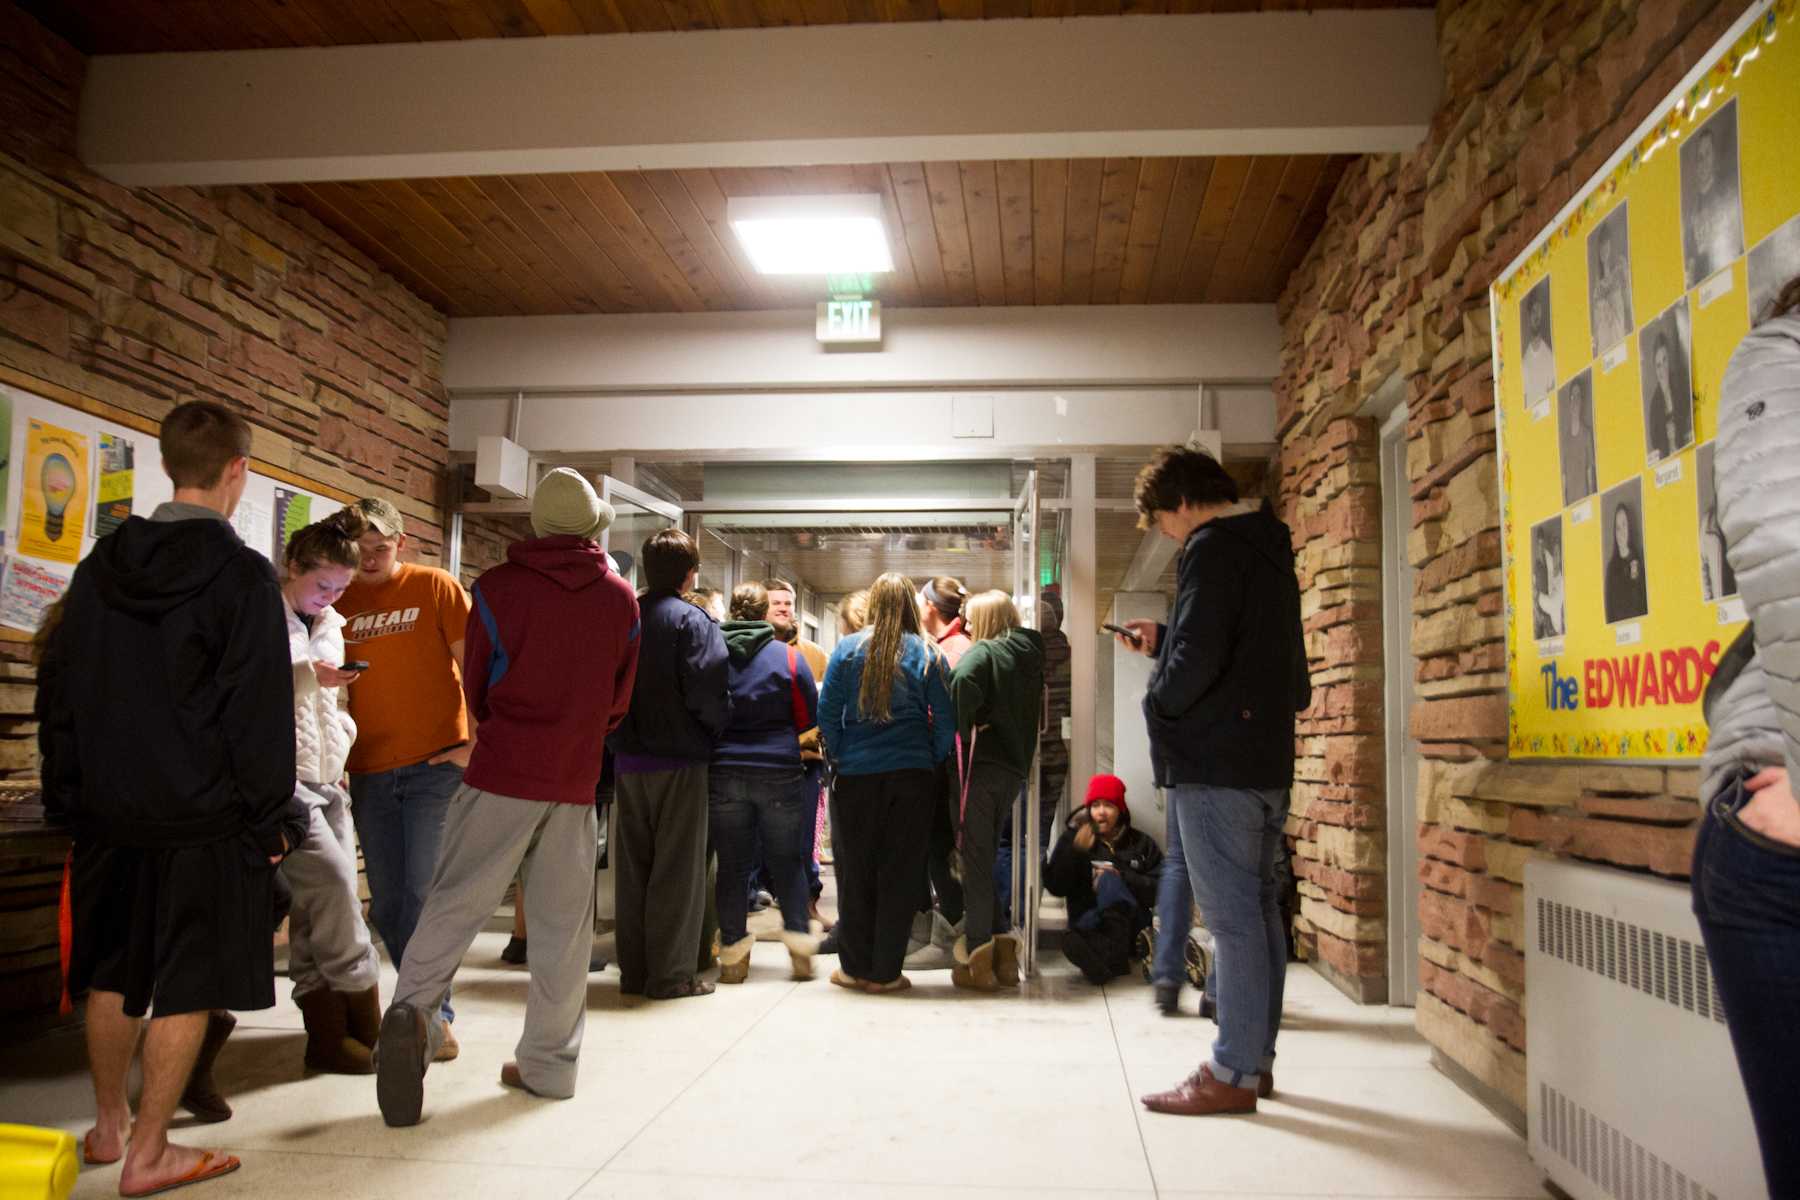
<point x="810" y="786"/>
<point x="1050" y="780"/>
<point x="744" y="802"/>
<point x="1174" y="911"/>
<point x="1231" y="838"/>
<point x="1747" y="900"/>
<point x="399" y="817"/>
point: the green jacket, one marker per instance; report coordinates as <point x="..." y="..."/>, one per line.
<point x="998" y="686"/>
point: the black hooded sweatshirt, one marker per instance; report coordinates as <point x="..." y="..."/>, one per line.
<point x="166" y="699"/>
<point x="1230" y="671"/>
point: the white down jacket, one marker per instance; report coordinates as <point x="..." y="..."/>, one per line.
<point x="1757" y="475"/>
<point x="323" y="730"/>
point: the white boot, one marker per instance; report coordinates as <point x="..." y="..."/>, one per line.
<point x="938" y="954"/>
<point x="801" y="947"/>
<point x="734" y="960"/>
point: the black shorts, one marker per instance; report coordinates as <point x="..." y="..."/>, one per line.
<point x="184" y="930"/>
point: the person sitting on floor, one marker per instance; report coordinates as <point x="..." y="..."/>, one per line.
<point x="1108" y="872"/>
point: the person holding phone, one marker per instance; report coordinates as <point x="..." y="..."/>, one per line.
<point x="1108" y="872"/>
<point x="413" y="731"/>
<point x="331" y="961"/>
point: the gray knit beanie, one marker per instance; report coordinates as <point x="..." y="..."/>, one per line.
<point x="565" y="503"/>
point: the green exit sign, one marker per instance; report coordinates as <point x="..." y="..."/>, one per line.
<point x="849" y="322"/>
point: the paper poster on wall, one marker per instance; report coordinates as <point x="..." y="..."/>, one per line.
<point x="252" y="522"/>
<point x="27" y="590"/>
<point x="113" y="493"/>
<point x="1619" y="599"/>
<point x="53" y="505"/>
<point x="293" y="512"/>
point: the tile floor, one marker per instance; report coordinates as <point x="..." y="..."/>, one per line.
<point x="784" y="1089"/>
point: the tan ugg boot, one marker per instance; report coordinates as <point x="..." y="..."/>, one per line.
<point x="974" y="969"/>
<point x="734" y="960"/>
<point x="362" y="1015"/>
<point x="800" y="947"/>
<point x="329" y="1046"/>
<point x="1006" y="960"/>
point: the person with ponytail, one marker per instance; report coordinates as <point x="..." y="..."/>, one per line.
<point x="331" y="961"/>
<point x="888" y="722"/>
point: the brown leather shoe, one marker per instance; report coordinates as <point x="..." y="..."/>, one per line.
<point x="1200" y="1095"/>
<point x="1265" y="1086"/>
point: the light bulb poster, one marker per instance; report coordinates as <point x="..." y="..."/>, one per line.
<point x="293" y="512"/>
<point x="53" y="509"/>
<point x="1611" y="338"/>
<point x="114" y="492"/>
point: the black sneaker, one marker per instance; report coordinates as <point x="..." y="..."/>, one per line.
<point x="596" y="961"/>
<point x="514" y="954"/>
<point x="1078" y="950"/>
<point x="1168" y="998"/>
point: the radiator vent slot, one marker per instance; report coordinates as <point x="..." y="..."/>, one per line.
<point x="1672" y="969"/>
<point x="1610" y="1159"/>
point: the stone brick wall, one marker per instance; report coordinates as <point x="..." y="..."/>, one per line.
<point x="146" y="298"/>
<point x="1537" y="96"/>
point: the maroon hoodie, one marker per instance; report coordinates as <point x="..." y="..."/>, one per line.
<point x="549" y="659"/>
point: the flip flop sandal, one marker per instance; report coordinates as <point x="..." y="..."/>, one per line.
<point x="845" y="980"/>
<point x="211" y="1166"/>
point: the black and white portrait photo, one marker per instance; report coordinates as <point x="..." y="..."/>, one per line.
<point x="1717" y="580"/>
<point x="1575" y="437"/>
<point x="1712" y="213"/>
<point x="1773" y="261"/>
<point x="1664" y="350"/>
<point x="1548" y="614"/>
<point x="1537" y="362"/>
<point x="1622" y="552"/>
<point x="1609" y="280"/>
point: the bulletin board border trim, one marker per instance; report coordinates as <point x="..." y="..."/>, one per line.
<point x="1729" y="52"/>
<point x="81" y="401"/>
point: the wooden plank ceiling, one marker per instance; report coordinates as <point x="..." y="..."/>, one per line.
<point x="1048" y="232"/>
<point x="147" y="26"/>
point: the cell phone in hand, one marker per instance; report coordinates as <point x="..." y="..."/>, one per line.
<point x="1136" y="639"/>
<point x="354" y="666"/>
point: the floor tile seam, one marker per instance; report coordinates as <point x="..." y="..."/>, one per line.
<point x="482" y="1164"/>
<point x="792" y="987"/>
<point x="931" y="1186"/>
<point x="1137" y="1111"/>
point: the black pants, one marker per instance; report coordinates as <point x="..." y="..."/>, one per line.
<point x="881" y="835"/>
<point x="991" y="792"/>
<point x="941" y="845"/>
<point x="661" y="864"/>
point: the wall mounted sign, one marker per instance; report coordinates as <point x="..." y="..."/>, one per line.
<point x="1611" y="337"/>
<point x="849" y="322"/>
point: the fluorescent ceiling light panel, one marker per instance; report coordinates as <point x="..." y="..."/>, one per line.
<point x="811" y="235"/>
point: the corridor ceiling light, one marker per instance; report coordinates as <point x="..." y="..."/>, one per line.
<point x="811" y="235"/>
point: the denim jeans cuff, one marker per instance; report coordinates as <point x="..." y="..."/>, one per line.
<point x="1240" y="1079"/>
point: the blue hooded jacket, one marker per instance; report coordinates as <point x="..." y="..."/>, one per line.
<point x="921" y="730"/>
<point x="765" y="694"/>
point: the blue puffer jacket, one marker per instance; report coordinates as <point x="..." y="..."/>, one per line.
<point x="922" y="727"/>
<point x="679" y="702"/>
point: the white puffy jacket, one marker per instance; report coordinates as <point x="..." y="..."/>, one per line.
<point x="323" y="730"/>
<point x="1756" y="469"/>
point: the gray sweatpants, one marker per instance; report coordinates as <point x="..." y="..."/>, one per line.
<point x="660" y="897"/>
<point x="487" y="839"/>
<point x="328" y="941"/>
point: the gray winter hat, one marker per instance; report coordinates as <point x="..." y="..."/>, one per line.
<point x="565" y="503"/>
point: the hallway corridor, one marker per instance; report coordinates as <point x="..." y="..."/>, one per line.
<point x="780" y="1089"/>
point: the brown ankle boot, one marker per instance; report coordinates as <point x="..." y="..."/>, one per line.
<point x="362" y="1015"/>
<point x="329" y="1046"/>
<point x="1200" y="1095"/>
<point x="201" y="1096"/>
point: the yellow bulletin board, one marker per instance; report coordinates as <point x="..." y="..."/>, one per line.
<point x="1611" y="336"/>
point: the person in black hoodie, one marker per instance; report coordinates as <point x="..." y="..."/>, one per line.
<point x="756" y="784"/>
<point x="679" y="706"/>
<point x="166" y="725"/>
<point x="998" y="687"/>
<point x="1230" y="676"/>
<point x="1108" y="872"/>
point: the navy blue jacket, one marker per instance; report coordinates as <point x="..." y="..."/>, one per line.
<point x="680" y="702"/>
<point x="1230" y="669"/>
<point x="762" y="732"/>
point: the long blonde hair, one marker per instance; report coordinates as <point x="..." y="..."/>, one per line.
<point x="990" y="615"/>
<point x="892" y="615"/>
<point x="853" y="612"/>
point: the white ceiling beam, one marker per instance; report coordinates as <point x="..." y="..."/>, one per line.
<point x="1253" y="83"/>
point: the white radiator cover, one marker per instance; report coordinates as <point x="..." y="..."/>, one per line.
<point x="1633" y="1092"/>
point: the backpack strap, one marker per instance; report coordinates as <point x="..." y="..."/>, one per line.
<point x="1731" y="664"/>
<point x="801" y="724"/>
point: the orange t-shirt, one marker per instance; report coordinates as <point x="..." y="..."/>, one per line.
<point x="409" y="703"/>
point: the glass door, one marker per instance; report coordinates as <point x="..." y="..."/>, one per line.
<point x="636" y="515"/>
<point x="1028" y="866"/>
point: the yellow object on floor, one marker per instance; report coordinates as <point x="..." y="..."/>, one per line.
<point x="37" y="1164"/>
